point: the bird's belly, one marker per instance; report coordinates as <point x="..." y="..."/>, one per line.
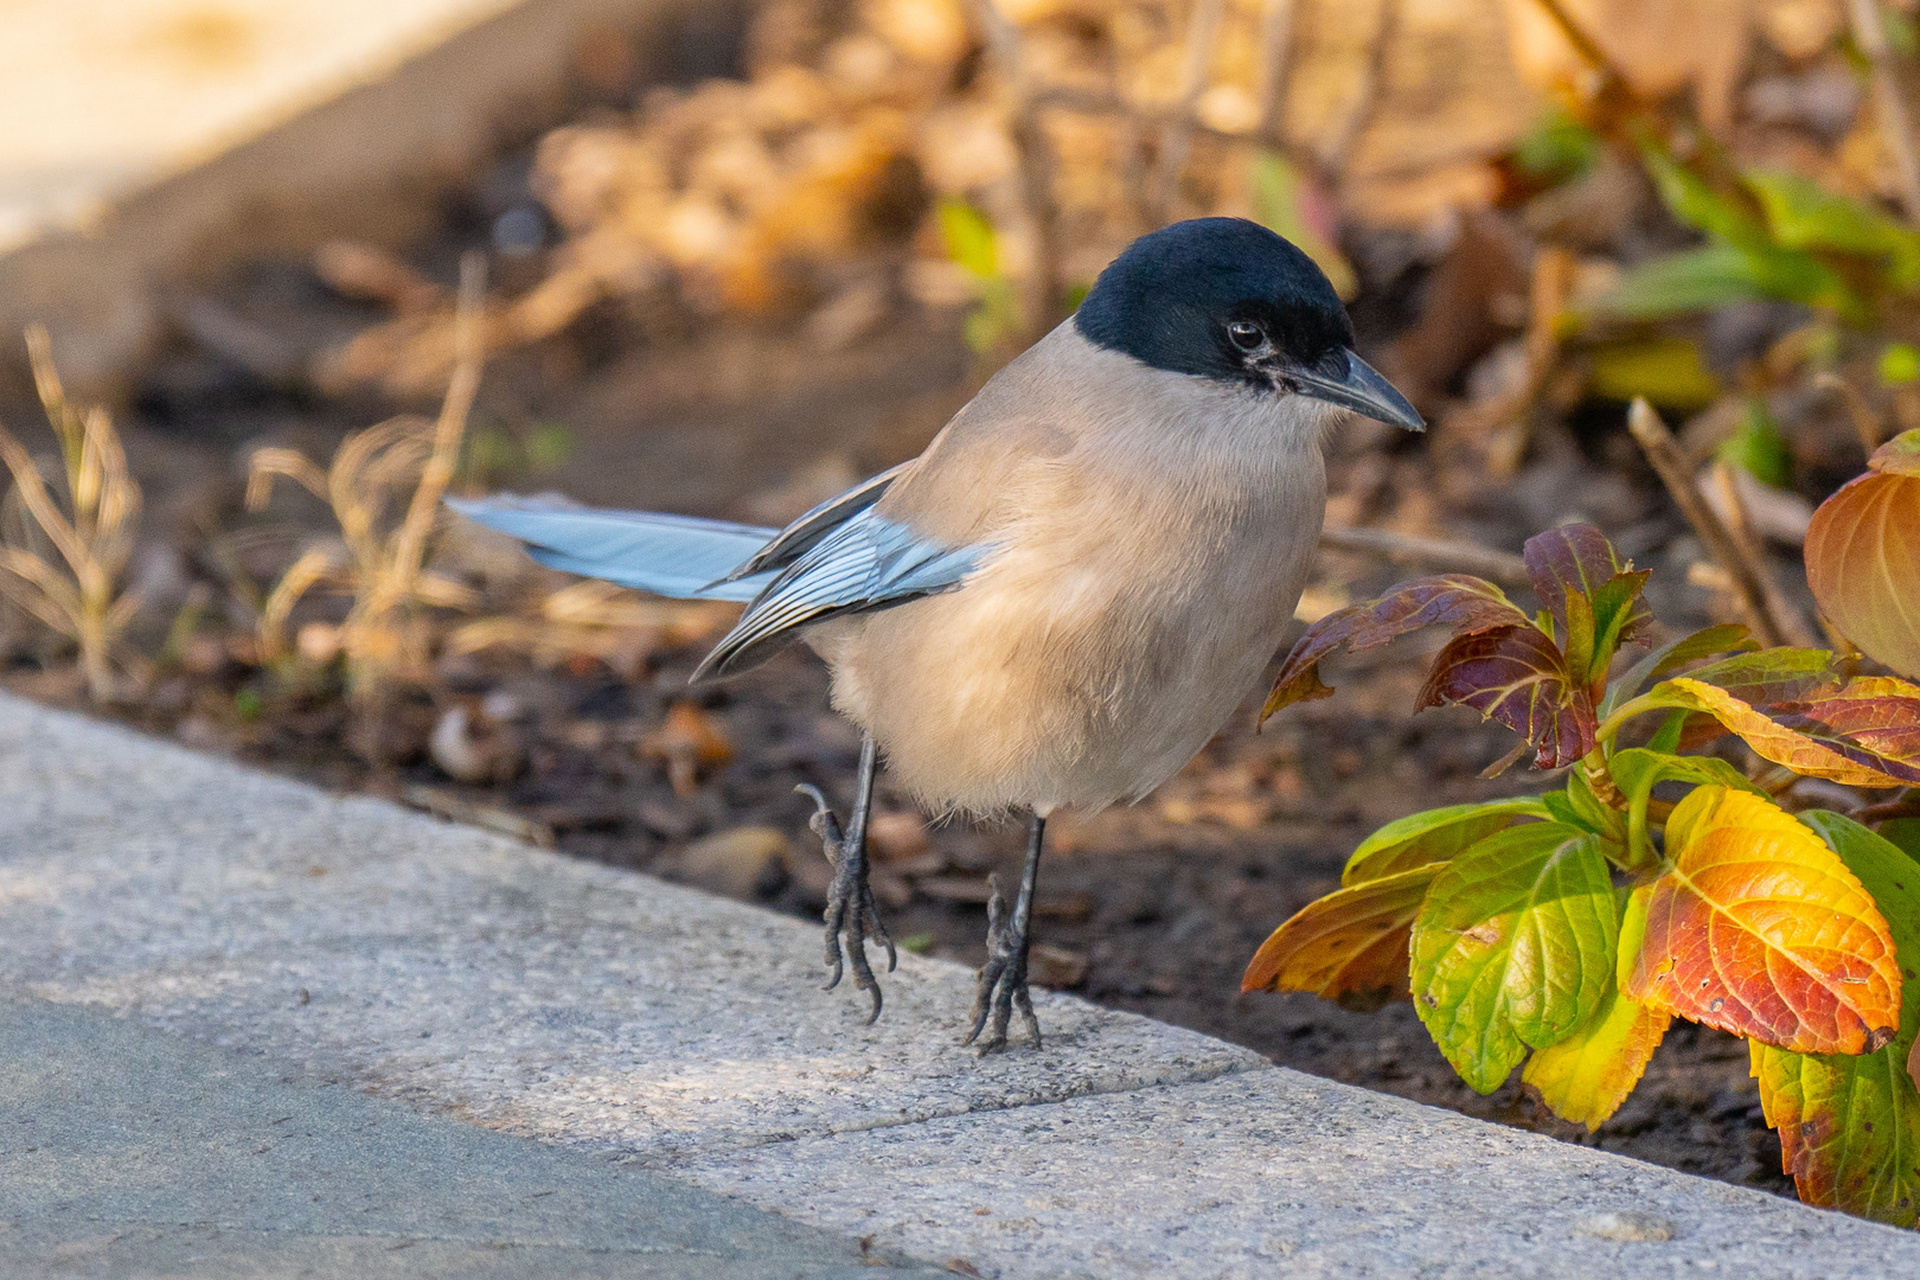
<point x="1040" y="685"/>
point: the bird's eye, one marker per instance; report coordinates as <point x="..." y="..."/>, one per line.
<point x="1245" y="335"/>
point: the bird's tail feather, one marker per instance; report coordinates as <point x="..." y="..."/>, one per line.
<point x="684" y="557"/>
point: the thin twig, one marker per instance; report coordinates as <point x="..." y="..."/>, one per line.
<point x="1203" y="31"/>
<point x="1445" y="554"/>
<point x="1774" y="621"/>
<point x="1007" y="52"/>
<point x="1890" y="108"/>
<point x="1276" y="62"/>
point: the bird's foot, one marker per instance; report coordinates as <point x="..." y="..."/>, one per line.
<point x="1002" y="984"/>
<point x="851" y="914"/>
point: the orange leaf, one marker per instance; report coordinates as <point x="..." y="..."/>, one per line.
<point x="1865" y="733"/>
<point x="1350" y="946"/>
<point x="1863" y="557"/>
<point x="1759" y="929"/>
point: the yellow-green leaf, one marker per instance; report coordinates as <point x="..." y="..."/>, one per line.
<point x="1514" y="947"/>
<point x="1434" y="835"/>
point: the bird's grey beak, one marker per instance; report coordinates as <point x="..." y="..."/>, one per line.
<point x="1363" y="390"/>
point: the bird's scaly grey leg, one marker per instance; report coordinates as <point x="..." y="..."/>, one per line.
<point x="1002" y="984"/>
<point x="850" y="910"/>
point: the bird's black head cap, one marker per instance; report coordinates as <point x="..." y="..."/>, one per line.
<point x="1183" y="298"/>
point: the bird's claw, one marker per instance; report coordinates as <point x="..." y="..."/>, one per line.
<point x="850" y="912"/>
<point x="1002" y="984"/>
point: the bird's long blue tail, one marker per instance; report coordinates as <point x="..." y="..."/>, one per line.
<point x="679" y="556"/>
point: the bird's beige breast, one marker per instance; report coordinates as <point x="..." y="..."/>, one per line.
<point x="1093" y="654"/>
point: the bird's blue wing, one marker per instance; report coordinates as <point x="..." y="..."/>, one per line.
<point x="678" y="556"/>
<point x="865" y="562"/>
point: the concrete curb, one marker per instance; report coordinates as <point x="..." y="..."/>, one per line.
<point x="345" y="940"/>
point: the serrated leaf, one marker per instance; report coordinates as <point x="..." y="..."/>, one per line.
<point x="1864" y="733"/>
<point x="1456" y="600"/>
<point x="1514" y="947"/>
<point x="1850" y="1125"/>
<point x="1758" y="929"/>
<point x="1588" y="1075"/>
<point x="1518" y="677"/>
<point x="1772" y="675"/>
<point x="1863" y="560"/>
<point x="1434" y="835"/>
<point x="1672" y="656"/>
<point x="1637" y="770"/>
<point x="1350" y="946"/>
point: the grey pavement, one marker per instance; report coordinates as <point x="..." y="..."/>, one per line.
<point x="631" y="1042"/>
<point x="126" y="1150"/>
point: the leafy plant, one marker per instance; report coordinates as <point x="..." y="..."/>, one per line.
<point x="974" y="246"/>
<point x="380" y="561"/>
<point x="65" y="537"/>
<point x="1560" y="933"/>
<point x="1863" y="556"/>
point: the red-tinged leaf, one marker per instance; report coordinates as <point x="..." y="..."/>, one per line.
<point x="1456" y="600"/>
<point x="1517" y="676"/>
<point x="1863" y="557"/>
<point x="1760" y="930"/>
<point x="1588" y="1075"/>
<point x="1865" y="733"/>
<point x="1577" y="559"/>
<point x="1350" y="946"/>
<point x="1433" y="836"/>
<point x="1514" y="947"/>
<point x="1850" y="1125"/>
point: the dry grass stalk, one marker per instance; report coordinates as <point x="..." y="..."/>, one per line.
<point x="380" y="562"/>
<point x="592" y="619"/>
<point x="1773" y="619"/>
<point x="77" y="594"/>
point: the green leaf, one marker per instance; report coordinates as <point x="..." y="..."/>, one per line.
<point x="1850" y="1125"/>
<point x="1759" y="449"/>
<point x="1899" y="364"/>
<point x="1676" y="654"/>
<point x="969" y="238"/>
<point x="1435" y="835"/>
<point x="1714" y="275"/>
<point x="1904" y="835"/>
<point x="1558" y="148"/>
<point x="1802" y="214"/>
<point x="1637" y="770"/>
<point x="1514" y="947"/>
<point x="1689" y="199"/>
<point x="1667" y="371"/>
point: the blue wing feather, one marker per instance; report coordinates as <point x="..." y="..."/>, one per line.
<point x="839" y="558"/>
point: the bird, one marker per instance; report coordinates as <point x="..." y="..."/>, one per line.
<point x="1066" y="595"/>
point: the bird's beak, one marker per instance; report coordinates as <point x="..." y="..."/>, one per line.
<point x="1363" y="390"/>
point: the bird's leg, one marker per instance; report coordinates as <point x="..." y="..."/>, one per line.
<point x="1002" y="984"/>
<point x="850" y="910"/>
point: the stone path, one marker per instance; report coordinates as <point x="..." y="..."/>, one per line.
<point x="683" y="1078"/>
